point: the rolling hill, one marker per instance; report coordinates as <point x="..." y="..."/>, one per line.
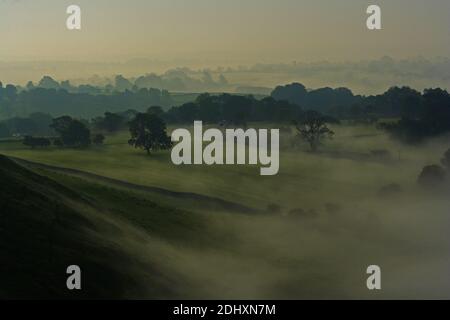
<point x="46" y="226"/>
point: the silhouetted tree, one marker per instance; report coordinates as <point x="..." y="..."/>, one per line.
<point x="111" y="122"/>
<point x="61" y="124"/>
<point x="72" y="132"/>
<point x="294" y="93"/>
<point x="77" y="134"/>
<point x="48" y="83"/>
<point x="321" y="99"/>
<point x="433" y="118"/>
<point x="236" y="110"/>
<point x="156" y="110"/>
<point x="148" y="132"/>
<point x="313" y="129"/>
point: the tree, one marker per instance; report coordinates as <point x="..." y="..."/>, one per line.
<point x="77" y="134"/>
<point x="313" y="129"/>
<point x="433" y="118"/>
<point x="148" y="132"/>
<point x="61" y="124"/>
<point x="403" y="101"/>
<point x="294" y="93"/>
<point x="111" y="122"/>
<point x="73" y="133"/>
<point x="48" y="83"/>
<point x="156" y="110"/>
<point x="236" y="110"/>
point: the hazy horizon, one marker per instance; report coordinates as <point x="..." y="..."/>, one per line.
<point x="362" y="77"/>
<point x="138" y="37"/>
<point x="261" y="31"/>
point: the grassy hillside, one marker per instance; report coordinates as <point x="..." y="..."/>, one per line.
<point x="46" y="226"/>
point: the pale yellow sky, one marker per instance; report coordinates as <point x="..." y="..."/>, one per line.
<point x="222" y="32"/>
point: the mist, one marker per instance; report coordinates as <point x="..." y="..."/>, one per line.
<point x="321" y="251"/>
<point x="364" y="77"/>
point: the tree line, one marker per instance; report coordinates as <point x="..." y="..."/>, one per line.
<point x="67" y="132"/>
<point x="416" y="115"/>
<point x="59" y="101"/>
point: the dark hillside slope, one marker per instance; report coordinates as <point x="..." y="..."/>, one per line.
<point x="44" y="228"/>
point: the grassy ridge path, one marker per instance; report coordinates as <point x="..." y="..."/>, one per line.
<point x="201" y="199"/>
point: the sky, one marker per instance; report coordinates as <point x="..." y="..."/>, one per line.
<point x="222" y="32"/>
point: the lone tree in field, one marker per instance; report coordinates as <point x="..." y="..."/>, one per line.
<point x="313" y="129"/>
<point x="148" y="132"/>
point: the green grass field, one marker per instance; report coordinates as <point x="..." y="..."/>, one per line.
<point x="304" y="178"/>
<point x="199" y="251"/>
